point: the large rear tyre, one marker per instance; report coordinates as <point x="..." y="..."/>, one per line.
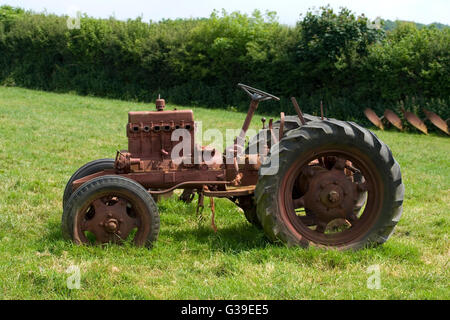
<point x="336" y="185"/>
<point x="111" y="209"/>
<point x="89" y="168"/>
<point x="264" y="138"/>
<point x="247" y="204"/>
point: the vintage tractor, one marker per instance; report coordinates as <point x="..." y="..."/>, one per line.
<point x="304" y="180"/>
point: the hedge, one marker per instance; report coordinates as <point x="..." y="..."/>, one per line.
<point x="338" y="58"/>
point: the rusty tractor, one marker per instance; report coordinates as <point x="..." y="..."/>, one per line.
<point x="304" y="180"/>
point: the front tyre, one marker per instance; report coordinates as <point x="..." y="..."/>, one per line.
<point x="111" y="209"/>
<point x="87" y="169"/>
<point x="337" y="185"/>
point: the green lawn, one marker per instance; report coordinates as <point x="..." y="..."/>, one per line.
<point x="45" y="137"/>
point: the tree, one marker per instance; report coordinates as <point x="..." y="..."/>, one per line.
<point x="331" y="47"/>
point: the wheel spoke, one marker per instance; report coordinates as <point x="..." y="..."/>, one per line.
<point x="308" y="220"/>
<point x="339" y="164"/>
<point x="350" y="167"/>
<point x="299" y="203"/>
<point x="321" y="227"/>
<point x="92" y="219"/>
<point x="127" y="224"/>
<point x="330" y="194"/>
<point x="109" y="221"/>
<point x="102" y="236"/>
<point x="123" y="223"/>
<point x="99" y="206"/>
<point x="352" y="217"/>
<point x="88" y="225"/>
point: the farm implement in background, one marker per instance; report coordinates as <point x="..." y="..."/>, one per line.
<point x="392" y="118"/>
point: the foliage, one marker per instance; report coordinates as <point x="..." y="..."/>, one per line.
<point x="336" y="57"/>
<point x="412" y="62"/>
<point x="390" y="25"/>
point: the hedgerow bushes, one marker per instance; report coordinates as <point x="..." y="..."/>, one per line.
<point x="335" y="57"/>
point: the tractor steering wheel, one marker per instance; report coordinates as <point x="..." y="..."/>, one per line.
<point x="256" y="94"/>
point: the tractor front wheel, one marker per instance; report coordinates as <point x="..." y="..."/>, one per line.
<point x="111" y="209"/>
<point x="87" y="169"/>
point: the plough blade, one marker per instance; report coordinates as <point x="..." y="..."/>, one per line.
<point x="437" y="121"/>
<point x="393" y="118"/>
<point x="415" y="121"/>
<point x="372" y="116"/>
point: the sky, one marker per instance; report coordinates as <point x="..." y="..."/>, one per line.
<point x="288" y="11"/>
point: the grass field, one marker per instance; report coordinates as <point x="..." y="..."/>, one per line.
<point x="45" y="137"/>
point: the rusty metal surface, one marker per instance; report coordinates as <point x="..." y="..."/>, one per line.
<point x="329" y="187"/>
<point x="321" y="195"/>
<point x="231" y="192"/>
<point x="148" y="158"/>
<point x="330" y="194"/>
<point x="372" y="116"/>
<point x="437" y="121"/>
<point x="321" y="110"/>
<point x="263" y="120"/>
<point x="394" y="119"/>
<point x="248" y="119"/>
<point x="256" y="94"/>
<point x="281" y="130"/>
<point x="160" y="104"/>
<point x="159" y="180"/>
<point x="189" y="185"/>
<point x="297" y="109"/>
<point x="149" y="132"/>
<point x="109" y="218"/>
<point x="415" y="121"/>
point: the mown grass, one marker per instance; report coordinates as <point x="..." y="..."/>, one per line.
<point x="45" y="137"/>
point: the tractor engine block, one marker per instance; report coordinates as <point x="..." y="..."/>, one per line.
<point x="150" y="138"/>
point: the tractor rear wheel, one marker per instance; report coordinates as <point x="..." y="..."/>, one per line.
<point x="111" y="209"/>
<point x="247" y="204"/>
<point x="264" y="137"/>
<point x="89" y="168"/>
<point x="332" y="184"/>
<point x="290" y="123"/>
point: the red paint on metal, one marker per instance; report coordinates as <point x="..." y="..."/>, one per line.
<point x="297" y="109"/>
<point x="390" y="116"/>
<point x="437" y="121"/>
<point x="415" y="121"/>
<point x="372" y="116"/>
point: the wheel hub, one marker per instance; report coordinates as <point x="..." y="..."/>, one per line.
<point x="109" y="220"/>
<point x="333" y="196"/>
<point x="111" y="225"/>
<point x="330" y="195"/>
